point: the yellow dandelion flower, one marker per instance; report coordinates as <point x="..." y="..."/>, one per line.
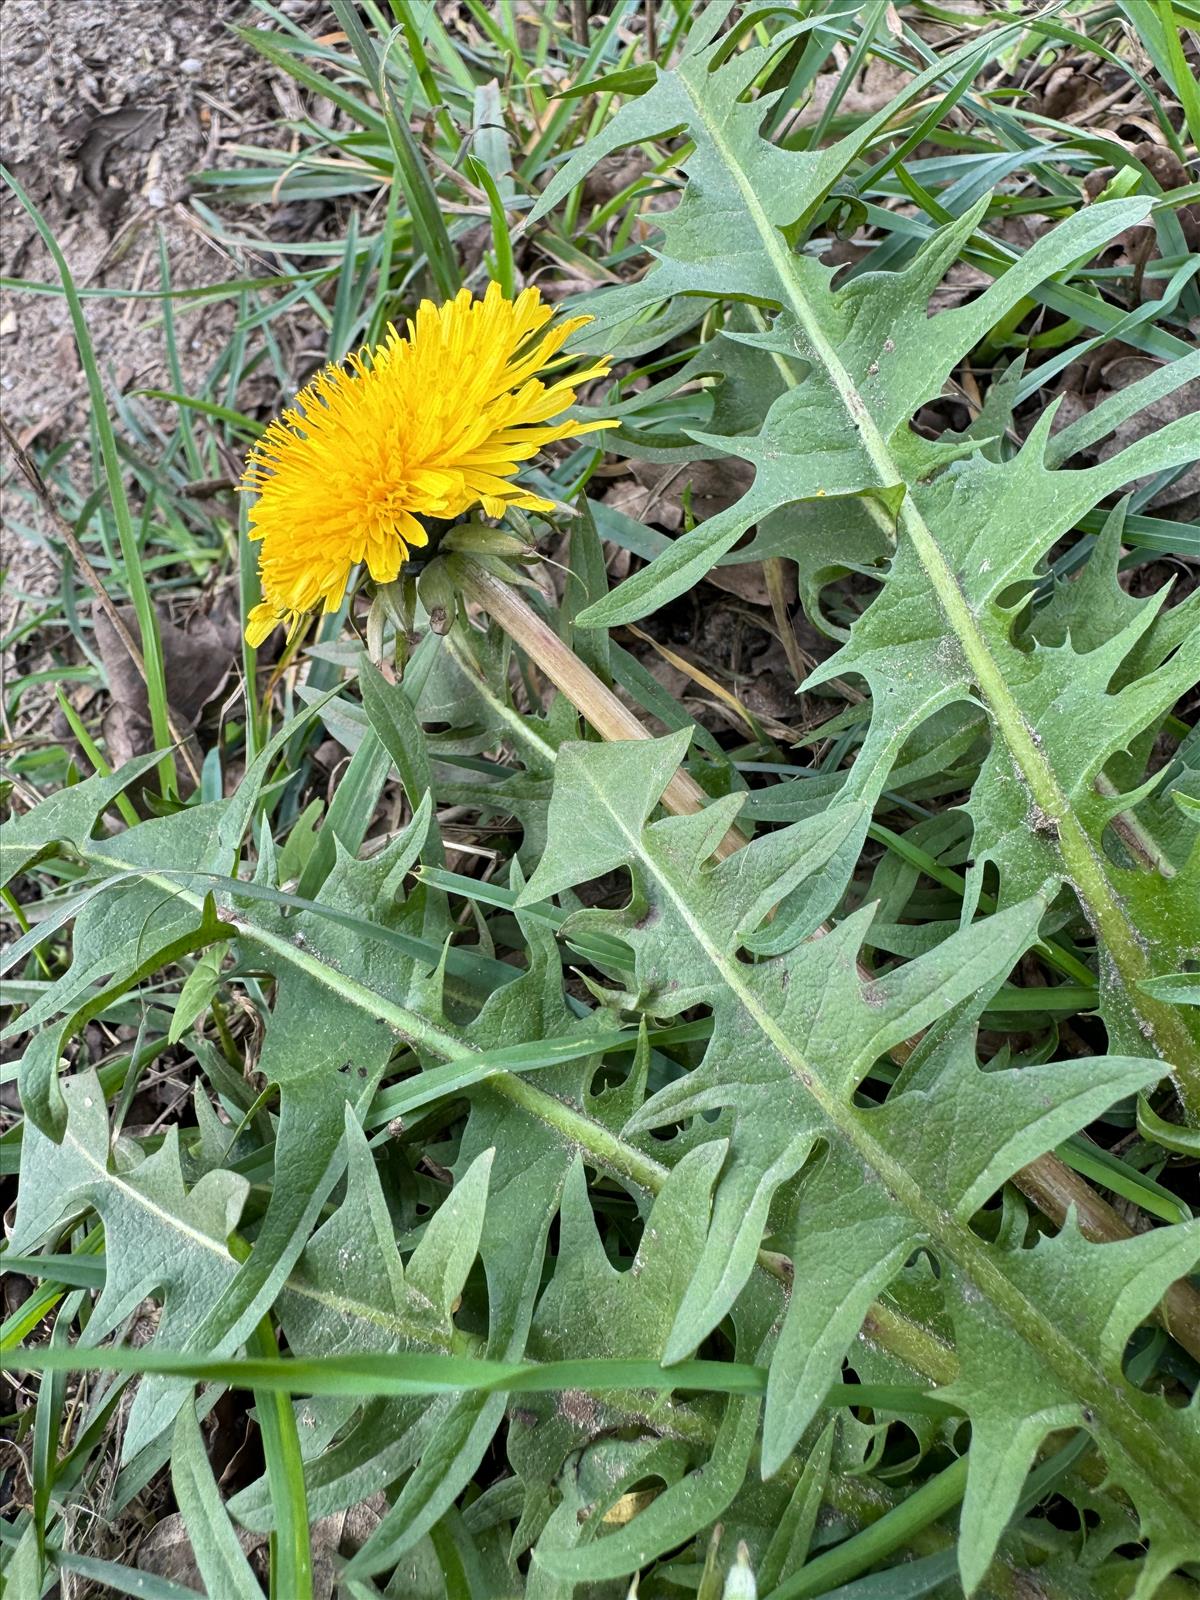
<point x="425" y="425"/>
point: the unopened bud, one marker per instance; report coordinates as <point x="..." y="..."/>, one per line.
<point x="740" y="1584"/>
<point x="476" y="538"/>
<point x="438" y="596"/>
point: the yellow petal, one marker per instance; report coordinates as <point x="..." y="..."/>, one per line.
<point x="427" y="424"/>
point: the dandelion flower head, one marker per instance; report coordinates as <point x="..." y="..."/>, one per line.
<point x="428" y="424"/>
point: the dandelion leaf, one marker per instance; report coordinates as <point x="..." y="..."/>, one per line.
<point x="793" y="1038"/>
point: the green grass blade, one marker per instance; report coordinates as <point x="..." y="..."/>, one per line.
<point x="423" y="201"/>
<point x="147" y="621"/>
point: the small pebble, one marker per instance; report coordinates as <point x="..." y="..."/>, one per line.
<point x="191" y="66"/>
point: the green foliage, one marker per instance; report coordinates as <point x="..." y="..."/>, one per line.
<point x="704" y="1259"/>
<point x="968" y="537"/>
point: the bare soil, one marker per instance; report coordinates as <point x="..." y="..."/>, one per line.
<point x="108" y="109"/>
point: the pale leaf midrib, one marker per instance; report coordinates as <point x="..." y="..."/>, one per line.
<point x="1127" y="1427"/>
<point x="1081" y="858"/>
<point x="342" y="1304"/>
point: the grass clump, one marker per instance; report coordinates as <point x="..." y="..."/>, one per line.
<point x="645" y="1037"/>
